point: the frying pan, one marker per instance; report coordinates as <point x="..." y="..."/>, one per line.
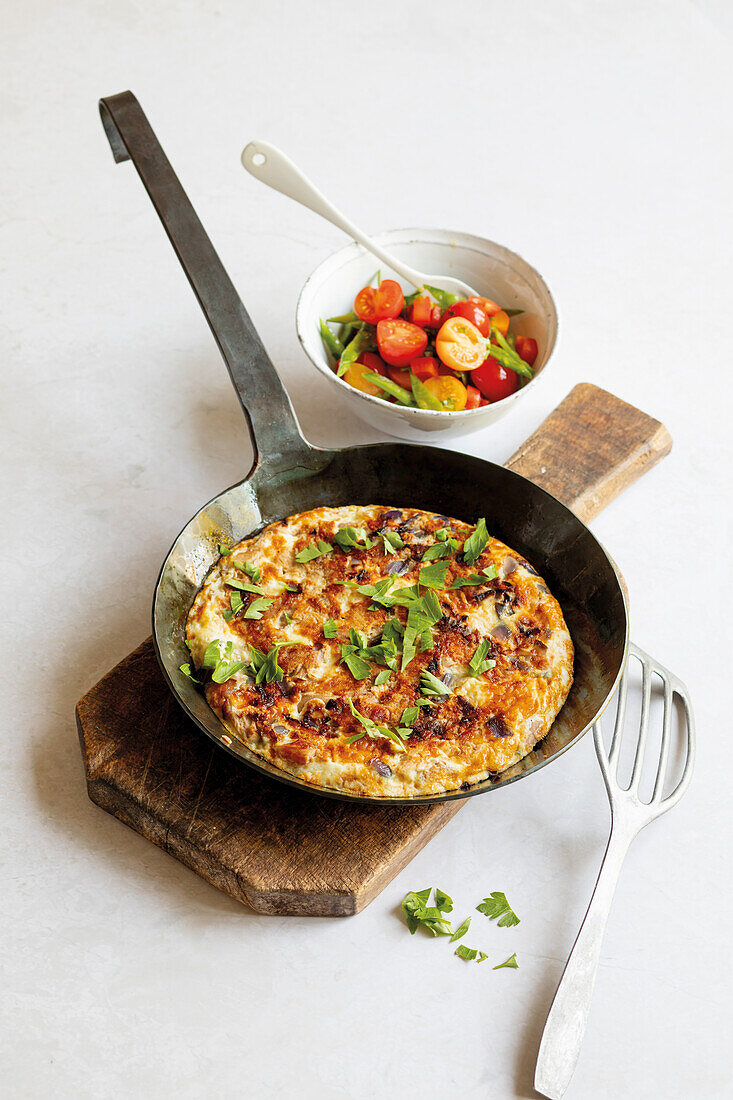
<point x="290" y="475"/>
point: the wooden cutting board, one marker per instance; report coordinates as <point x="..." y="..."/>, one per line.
<point x="275" y="848"/>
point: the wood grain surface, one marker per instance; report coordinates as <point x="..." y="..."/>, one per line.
<point x="273" y="847"/>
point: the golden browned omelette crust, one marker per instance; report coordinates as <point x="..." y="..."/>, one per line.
<point x="411" y="688"/>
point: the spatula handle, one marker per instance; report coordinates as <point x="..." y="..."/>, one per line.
<point x="568" y="1016"/>
<point x="276" y="437"/>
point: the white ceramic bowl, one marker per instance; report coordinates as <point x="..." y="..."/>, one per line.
<point x="490" y="268"/>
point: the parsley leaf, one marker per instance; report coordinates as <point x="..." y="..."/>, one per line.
<point x="235" y="606"/>
<point x="470" y="953"/>
<point x="461" y="930"/>
<point x="409" y="714"/>
<point x="257" y="607"/>
<point x="392" y="541"/>
<point x="472" y="578"/>
<point x="186" y="670"/>
<point x="478" y="664"/>
<point x="382" y="677"/>
<point x="511" y="962"/>
<point x="384" y="653"/>
<point x="433" y="576"/>
<point x="225" y="670"/>
<point x="266" y="665"/>
<point x="476" y="543"/>
<point x="374" y="730"/>
<point x="348" y="538"/>
<point x="443" y="902"/>
<point x="243" y="586"/>
<point x="392" y="631"/>
<point x="431" y="685"/>
<point x="357" y="666"/>
<point x="412" y="904"/>
<point x="212" y="654"/>
<point x="330" y="628"/>
<point x="221" y="661"/>
<point x="313" y="551"/>
<point x="422" y="614"/>
<point x="417" y="912"/>
<point x="439" y="550"/>
<point x="495" y="906"/>
<point x="248" y="568"/>
<point x="377" y="592"/>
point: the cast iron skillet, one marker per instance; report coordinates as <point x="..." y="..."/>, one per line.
<point x="289" y="475"/>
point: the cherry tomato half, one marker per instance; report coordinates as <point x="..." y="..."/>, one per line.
<point x="400" y="342"/>
<point x="354" y="374"/>
<point x="473" y="397"/>
<point x="500" y="320"/>
<point x="421" y="312"/>
<point x="380" y="304"/>
<point x="527" y="349"/>
<point x="449" y="391"/>
<point x="473" y="312"/>
<point x="486" y="304"/>
<point x="495" y="381"/>
<point x="460" y="345"/>
<point x="425" y="367"/>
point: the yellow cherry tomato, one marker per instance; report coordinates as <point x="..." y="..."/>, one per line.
<point x="450" y="392"/>
<point x="500" y="320"/>
<point x="354" y="375"/>
<point x="460" y="345"/>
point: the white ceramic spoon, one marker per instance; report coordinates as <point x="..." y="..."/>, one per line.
<point x="269" y="165"/>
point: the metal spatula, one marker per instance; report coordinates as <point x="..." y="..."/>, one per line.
<point x="565" y="1027"/>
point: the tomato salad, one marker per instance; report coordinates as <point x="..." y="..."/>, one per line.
<point x="430" y="349"/>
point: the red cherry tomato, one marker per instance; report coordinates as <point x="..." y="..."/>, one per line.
<point x="495" y="381"/>
<point x="400" y="376"/>
<point x="373" y="362"/>
<point x="486" y="304"/>
<point x="474" y="397"/>
<point x="425" y="367"/>
<point x="421" y="312"/>
<point x="527" y="349"/>
<point x="436" y="317"/>
<point x="442" y="369"/>
<point x="473" y="312"/>
<point x="380" y="304"/>
<point x="400" y="342"/>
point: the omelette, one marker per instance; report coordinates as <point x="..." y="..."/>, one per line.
<point x="380" y="651"/>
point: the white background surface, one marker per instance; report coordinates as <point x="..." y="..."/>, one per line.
<point x="594" y="139"/>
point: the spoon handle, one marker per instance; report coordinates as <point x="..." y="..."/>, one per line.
<point x="269" y="165"/>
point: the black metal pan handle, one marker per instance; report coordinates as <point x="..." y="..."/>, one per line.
<point x="276" y="437"/>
